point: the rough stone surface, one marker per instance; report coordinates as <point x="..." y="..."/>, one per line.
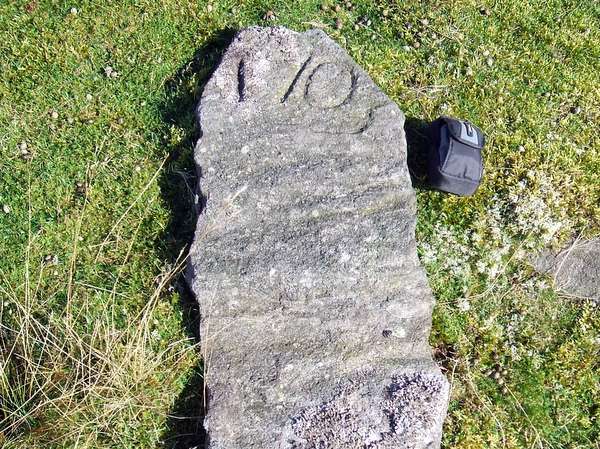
<point x="575" y="269"/>
<point x="315" y="312"/>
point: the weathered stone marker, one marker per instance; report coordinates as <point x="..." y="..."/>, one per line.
<point x="315" y="310"/>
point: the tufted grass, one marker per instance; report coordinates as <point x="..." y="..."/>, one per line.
<point x="97" y="335"/>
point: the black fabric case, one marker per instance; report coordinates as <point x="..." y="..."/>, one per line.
<point x="454" y="163"/>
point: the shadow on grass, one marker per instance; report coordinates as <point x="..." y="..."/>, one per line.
<point x="177" y="184"/>
<point x="417" y="144"/>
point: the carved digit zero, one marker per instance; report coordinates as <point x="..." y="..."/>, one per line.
<point x="329" y="85"/>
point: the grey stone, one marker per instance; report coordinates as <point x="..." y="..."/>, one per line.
<point x="575" y="269"/>
<point x="315" y="311"/>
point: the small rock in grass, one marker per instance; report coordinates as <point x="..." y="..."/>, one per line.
<point x="80" y="188"/>
<point x="73" y="11"/>
<point x="209" y="8"/>
<point x="424" y="22"/>
<point x="25" y="154"/>
<point x="521" y="149"/>
<point x="31" y="6"/>
<point x="416" y="44"/>
<point x="51" y="259"/>
<point x="70" y="120"/>
<point x="269" y="15"/>
<point x="338" y="8"/>
<point x="386" y="12"/>
<point x="463" y="304"/>
<point x="575" y="110"/>
<point x="469" y="71"/>
<point x="6" y="208"/>
<point x="89" y="97"/>
<point x="504" y="390"/>
<point x="484" y="11"/>
<point x="120" y="120"/>
<point x="364" y="21"/>
<point x="54" y="115"/>
<point x="110" y="72"/>
<point x="339" y="24"/>
<point x="356" y="27"/>
<point x="490" y="61"/>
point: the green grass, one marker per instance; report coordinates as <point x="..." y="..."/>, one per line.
<point x="97" y="340"/>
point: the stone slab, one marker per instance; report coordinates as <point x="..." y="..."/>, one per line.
<point x="575" y="269"/>
<point x="315" y="311"/>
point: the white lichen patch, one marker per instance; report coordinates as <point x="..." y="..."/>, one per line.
<point x="526" y="217"/>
